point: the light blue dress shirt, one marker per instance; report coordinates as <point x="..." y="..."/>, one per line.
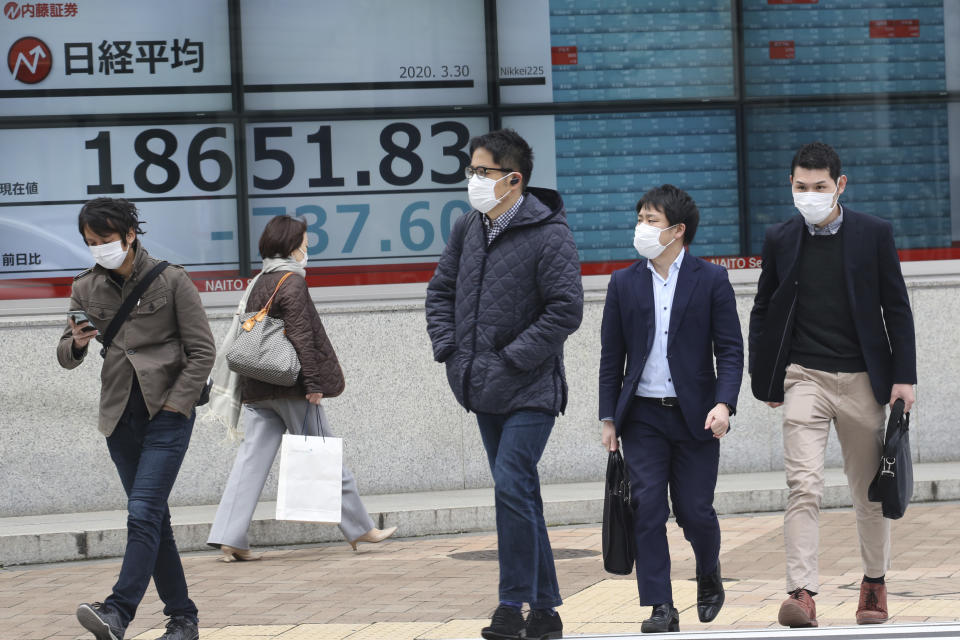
<point x="656" y="381"/>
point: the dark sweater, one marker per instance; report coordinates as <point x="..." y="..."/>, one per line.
<point x="824" y="335"/>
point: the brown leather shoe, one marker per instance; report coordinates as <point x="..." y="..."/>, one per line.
<point x="798" y="610"/>
<point x="873" y="604"/>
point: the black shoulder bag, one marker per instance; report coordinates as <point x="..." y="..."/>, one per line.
<point x="893" y="484"/>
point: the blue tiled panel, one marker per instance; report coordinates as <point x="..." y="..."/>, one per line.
<point x="605" y="162"/>
<point x="834" y="53"/>
<point x="642" y="49"/>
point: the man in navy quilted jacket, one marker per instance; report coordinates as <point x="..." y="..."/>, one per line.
<point x="504" y="298"/>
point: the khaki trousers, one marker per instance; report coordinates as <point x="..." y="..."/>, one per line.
<point x="812" y="399"/>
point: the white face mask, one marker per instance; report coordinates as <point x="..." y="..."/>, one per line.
<point x="480" y="192"/>
<point x="646" y="240"/>
<point x="110" y="255"/>
<point x="815" y="207"/>
<point x="303" y="262"/>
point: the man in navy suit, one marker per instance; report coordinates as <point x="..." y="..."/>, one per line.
<point x="831" y="338"/>
<point x="665" y="317"/>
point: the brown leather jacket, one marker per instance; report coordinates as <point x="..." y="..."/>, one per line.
<point x="166" y="340"/>
<point x="319" y="368"/>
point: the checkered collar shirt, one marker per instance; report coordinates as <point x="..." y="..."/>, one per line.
<point x="829" y="230"/>
<point x="496" y="227"/>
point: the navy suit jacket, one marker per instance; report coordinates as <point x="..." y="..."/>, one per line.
<point x="878" y="298"/>
<point x="703" y="323"/>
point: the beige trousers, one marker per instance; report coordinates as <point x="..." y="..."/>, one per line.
<point x="811" y="400"/>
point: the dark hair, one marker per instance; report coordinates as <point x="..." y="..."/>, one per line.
<point x="817" y="155"/>
<point x="676" y="204"/>
<point x="281" y="236"/>
<point x="508" y="149"/>
<point x="104" y="216"/>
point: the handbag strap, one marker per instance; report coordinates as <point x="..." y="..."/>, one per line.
<point x="249" y="323"/>
<point x="266" y="307"/>
<point x="127" y="305"/>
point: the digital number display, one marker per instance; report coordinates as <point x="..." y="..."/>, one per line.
<point x="363" y="53"/>
<point x="181" y="177"/>
<point x="853" y="47"/>
<point x="370" y="191"/>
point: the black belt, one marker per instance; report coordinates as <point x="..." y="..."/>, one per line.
<point x="663" y="402"/>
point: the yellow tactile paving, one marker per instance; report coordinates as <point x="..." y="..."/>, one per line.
<point x="153" y="634"/>
<point x="393" y="631"/>
<point x="261" y="631"/>
<point x="456" y="629"/>
<point x="608" y="627"/>
<point x="765" y="613"/>
<point x="729" y="615"/>
<point x="331" y="631"/>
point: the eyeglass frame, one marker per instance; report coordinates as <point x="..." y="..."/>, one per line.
<point x="469" y="171"/>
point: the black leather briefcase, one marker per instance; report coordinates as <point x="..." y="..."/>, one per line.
<point x="893" y="484"/>
<point x="618" y="551"/>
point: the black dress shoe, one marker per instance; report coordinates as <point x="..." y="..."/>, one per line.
<point x="543" y="625"/>
<point x="665" y="618"/>
<point x="710" y="595"/>
<point x="506" y="624"/>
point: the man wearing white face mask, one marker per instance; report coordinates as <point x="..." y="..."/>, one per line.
<point x="152" y="376"/>
<point x="664" y="318"/>
<point x="831" y="339"/>
<point x="504" y="298"/>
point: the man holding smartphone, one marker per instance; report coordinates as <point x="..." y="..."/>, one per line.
<point x="154" y="371"/>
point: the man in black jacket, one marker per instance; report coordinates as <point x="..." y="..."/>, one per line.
<point x="831" y="338"/>
<point x="505" y="296"/>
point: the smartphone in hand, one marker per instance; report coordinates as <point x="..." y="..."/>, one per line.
<point x="79" y="316"/>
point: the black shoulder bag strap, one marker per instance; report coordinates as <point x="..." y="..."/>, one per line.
<point x="127" y="305"/>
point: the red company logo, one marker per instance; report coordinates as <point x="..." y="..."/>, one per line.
<point x="15" y="10"/>
<point x="29" y="60"/>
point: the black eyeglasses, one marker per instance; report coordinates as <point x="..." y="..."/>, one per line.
<point x="482" y="171"/>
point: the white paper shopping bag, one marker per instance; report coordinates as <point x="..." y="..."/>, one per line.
<point x="311" y="478"/>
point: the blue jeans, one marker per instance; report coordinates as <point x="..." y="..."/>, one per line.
<point x="148" y="454"/>
<point x="514" y="444"/>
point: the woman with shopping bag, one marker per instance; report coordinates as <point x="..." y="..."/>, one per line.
<point x="277" y="298"/>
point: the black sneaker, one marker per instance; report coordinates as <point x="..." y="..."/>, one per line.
<point x="543" y="625"/>
<point x="506" y="624"/>
<point x="181" y="628"/>
<point x="102" y="622"/>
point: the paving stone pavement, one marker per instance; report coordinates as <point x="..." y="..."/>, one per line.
<point x="413" y="589"/>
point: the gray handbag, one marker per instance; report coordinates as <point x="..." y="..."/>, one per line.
<point x="261" y="349"/>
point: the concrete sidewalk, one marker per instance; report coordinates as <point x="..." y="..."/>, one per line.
<point x="80" y="536"/>
<point x="445" y="586"/>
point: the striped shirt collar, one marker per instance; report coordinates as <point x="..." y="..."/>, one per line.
<point x="496" y="227"/>
<point x="829" y="230"/>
